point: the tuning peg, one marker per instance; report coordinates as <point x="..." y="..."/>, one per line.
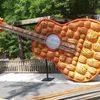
<point x="1" y="19"/>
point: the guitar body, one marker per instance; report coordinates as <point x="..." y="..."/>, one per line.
<point x="84" y="64"/>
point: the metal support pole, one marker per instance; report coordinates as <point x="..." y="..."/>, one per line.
<point x="46" y="67"/>
<point x="47" y="72"/>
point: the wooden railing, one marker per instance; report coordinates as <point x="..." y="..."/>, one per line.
<point x="26" y="66"/>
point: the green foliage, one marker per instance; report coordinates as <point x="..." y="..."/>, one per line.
<point x="78" y="7"/>
<point x="63" y="8"/>
<point x="13" y="10"/>
<point x="9" y="45"/>
<point x="98" y="7"/>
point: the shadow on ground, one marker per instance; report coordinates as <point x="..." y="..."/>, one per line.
<point x="22" y="89"/>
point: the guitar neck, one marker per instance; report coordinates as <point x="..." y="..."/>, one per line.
<point x="23" y="32"/>
<point x="35" y="36"/>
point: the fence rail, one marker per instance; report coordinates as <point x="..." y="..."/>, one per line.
<point x="26" y="66"/>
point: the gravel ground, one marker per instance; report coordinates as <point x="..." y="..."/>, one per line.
<point x="23" y="86"/>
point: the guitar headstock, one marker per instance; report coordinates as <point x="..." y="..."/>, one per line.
<point x="81" y="35"/>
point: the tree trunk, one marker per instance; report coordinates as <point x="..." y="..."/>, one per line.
<point x="21" y="47"/>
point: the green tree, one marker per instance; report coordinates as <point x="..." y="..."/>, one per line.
<point x="13" y="10"/>
<point x="8" y="45"/>
<point x="18" y="11"/>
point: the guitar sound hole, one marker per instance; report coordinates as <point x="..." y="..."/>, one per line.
<point x="53" y="42"/>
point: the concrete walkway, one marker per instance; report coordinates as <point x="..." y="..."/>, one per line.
<point x="23" y="86"/>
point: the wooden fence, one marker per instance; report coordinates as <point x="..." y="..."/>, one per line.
<point x="26" y="66"/>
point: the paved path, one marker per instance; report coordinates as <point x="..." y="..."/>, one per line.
<point x="16" y="86"/>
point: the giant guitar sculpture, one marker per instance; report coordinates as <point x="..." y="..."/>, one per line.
<point x="74" y="47"/>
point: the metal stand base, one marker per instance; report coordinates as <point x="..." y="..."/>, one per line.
<point x="47" y="79"/>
